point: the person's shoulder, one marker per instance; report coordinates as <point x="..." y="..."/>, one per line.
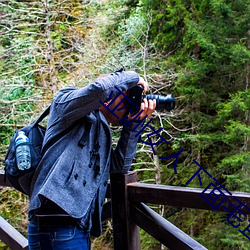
<point x="67" y="89"/>
<point x="64" y="90"/>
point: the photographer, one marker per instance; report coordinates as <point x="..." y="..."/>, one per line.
<point x="69" y="187"/>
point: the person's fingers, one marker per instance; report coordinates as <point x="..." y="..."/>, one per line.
<point x="142" y="106"/>
<point x="144" y="84"/>
<point x="148" y="107"/>
<point x="145" y="102"/>
<point x="151" y="107"/>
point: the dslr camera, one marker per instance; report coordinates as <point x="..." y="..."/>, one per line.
<point x="162" y="102"/>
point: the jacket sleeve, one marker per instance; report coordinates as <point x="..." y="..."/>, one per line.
<point x="124" y="153"/>
<point x="72" y="105"/>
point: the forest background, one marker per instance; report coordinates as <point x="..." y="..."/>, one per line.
<point x="197" y="50"/>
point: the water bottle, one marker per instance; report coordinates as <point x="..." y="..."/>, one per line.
<point x="23" y="156"/>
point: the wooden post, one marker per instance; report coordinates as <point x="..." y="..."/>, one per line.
<point x="126" y="233"/>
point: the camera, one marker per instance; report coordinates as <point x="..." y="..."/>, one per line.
<point x="162" y="102"/>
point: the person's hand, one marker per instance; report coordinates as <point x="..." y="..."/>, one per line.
<point x="144" y="84"/>
<point x="148" y="107"/>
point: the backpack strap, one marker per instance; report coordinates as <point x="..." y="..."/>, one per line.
<point x="43" y="115"/>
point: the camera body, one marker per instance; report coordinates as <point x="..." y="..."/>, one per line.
<point x="162" y="102"/>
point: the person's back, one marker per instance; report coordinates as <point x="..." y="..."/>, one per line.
<point x="70" y="184"/>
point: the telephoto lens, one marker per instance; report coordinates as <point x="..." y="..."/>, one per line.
<point x="162" y="102"/>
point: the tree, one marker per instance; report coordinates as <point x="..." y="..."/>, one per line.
<point x="41" y="50"/>
<point x="205" y="45"/>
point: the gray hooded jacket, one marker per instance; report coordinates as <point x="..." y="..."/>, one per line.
<point x="67" y="174"/>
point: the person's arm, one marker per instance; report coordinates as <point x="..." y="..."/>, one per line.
<point x="74" y="104"/>
<point x="124" y="153"/>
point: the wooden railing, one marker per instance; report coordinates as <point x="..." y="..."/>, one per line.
<point x="8" y="234"/>
<point x="130" y="213"/>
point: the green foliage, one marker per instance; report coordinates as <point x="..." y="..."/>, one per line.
<point x="41" y="48"/>
<point x="223" y="236"/>
<point x="148" y="242"/>
<point x="197" y="50"/>
<point x="206" y="45"/>
<point x="14" y="208"/>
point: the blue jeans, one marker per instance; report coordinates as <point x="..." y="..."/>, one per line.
<point x="57" y="238"/>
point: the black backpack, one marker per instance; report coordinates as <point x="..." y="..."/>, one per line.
<point x="21" y="179"/>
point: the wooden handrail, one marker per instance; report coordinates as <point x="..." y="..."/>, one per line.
<point x="183" y="196"/>
<point x="11" y="237"/>
<point x="161" y="229"/>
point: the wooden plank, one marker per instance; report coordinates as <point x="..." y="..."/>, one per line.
<point x="161" y="229"/>
<point x="185" y="197"/>
<point x="11" y="237"/>
<point x="2" y="182"/>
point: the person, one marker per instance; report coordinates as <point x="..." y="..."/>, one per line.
<point x="69" y="186"/>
